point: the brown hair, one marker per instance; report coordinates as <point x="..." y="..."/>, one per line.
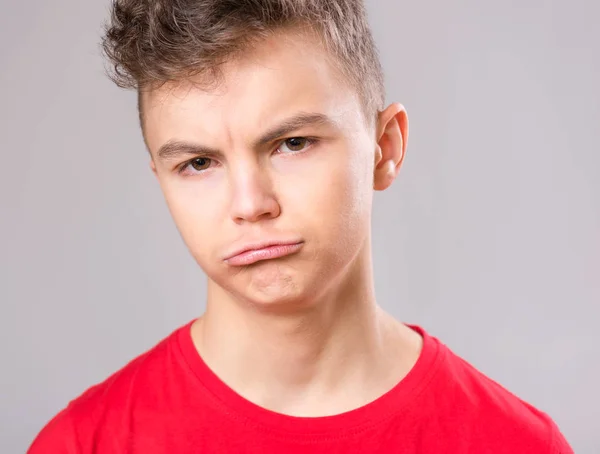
<point x="150" y="42"/>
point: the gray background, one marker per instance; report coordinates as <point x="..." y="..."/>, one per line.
<point x="490" y="238"/>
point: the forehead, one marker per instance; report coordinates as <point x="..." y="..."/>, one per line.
<point x="281" y="76"/>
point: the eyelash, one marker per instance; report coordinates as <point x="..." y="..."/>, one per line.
<point x="310" y="141"/>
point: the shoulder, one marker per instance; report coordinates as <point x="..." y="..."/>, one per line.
<point x="101" y="405"/>
<point x="494" y="413"/>
<point x="57" y="436"/>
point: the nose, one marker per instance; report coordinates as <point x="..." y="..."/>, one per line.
<point x="253" y="197"/>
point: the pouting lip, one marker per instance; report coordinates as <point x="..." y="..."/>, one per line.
<point x="255" y="246"/>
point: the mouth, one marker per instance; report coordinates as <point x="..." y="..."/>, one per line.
<point x="267" y="251"/>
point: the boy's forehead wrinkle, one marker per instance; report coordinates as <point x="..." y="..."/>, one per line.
<point x="242" y="85"/>
<point x="220" y="134"/>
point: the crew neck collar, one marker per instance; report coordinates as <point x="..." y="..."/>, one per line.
<point x="381" y="409"/>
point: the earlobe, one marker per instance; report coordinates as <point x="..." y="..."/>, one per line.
<point x="392" y="136"/>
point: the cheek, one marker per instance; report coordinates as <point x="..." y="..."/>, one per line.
<point x="330" y="191"/>
<point x="194" y="215"/>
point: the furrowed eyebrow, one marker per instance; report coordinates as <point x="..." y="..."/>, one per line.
<point x="292" y="124"/>
<point x="174" y="149"/>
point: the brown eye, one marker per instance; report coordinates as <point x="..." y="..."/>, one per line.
<point x="200" y="164"/>
<point x="294" y="144"/>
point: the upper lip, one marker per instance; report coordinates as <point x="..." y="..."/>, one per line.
<point x="257" y="245"/>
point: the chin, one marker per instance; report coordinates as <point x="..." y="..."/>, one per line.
<point x="273" y="285"/>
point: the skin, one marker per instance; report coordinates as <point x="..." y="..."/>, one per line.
<point x="301" y="335"/>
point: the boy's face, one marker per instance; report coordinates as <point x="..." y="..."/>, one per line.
<point x="235" y="180"/>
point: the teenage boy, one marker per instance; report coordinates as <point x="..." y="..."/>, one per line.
<point x="267" y="132"/>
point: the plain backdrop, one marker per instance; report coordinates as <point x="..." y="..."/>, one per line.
<point x="490" y="237"/>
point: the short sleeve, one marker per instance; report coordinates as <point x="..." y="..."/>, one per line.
<point x="559" y="442"/>
<point x="56" y="437"/>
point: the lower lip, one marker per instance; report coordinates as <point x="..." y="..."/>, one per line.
<point x="271" y="252"/>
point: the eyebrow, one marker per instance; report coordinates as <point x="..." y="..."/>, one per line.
<point x="175" y="148"/>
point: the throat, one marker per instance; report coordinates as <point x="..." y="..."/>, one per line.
<point x="309" y="367"/>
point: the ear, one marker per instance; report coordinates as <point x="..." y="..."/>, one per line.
<point x="153" y="167"/>
<point x="392" y="135"/>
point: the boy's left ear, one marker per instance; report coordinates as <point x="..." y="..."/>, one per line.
<point x="392" y="136"/>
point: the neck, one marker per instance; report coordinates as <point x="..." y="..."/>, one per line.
<point x="308" y="361"/>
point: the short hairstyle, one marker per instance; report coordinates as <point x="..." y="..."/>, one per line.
<point x="150" y="42"/>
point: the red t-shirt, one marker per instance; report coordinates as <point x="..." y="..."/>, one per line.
<point x="167" y="400"/>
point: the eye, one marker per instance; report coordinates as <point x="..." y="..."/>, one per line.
<point x="294" y="145"/>
<point x="196" y="165"/>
